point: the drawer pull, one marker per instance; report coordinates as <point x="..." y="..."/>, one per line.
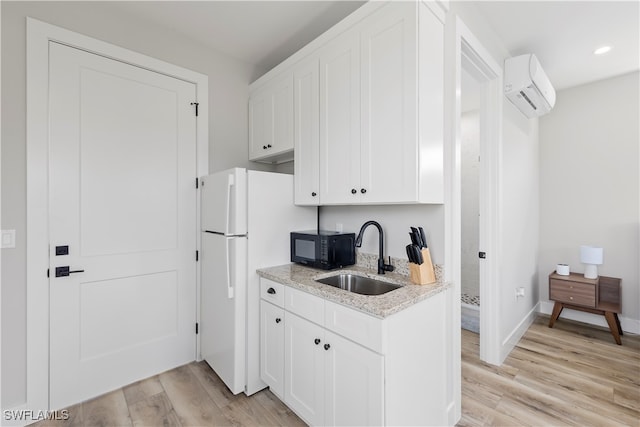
<point x="278" y="320"/>
<point x="571" y="298"/>
<point x="317" y="341"/>
<point x="327" y="346"/>
<point x="271" y="291"/>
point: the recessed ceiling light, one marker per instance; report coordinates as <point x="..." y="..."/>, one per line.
<point x="602" y="50"/>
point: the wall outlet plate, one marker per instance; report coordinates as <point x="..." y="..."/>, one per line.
<point x="8" y="239"/>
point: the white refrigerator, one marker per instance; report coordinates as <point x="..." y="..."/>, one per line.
<point x="246" y="219"/>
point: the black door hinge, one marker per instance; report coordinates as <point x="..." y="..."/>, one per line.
<point x="196" y="328"/>
<point x="196" y="104"/>
<point x="197" y="256"/>
<point x="197" y="183"/>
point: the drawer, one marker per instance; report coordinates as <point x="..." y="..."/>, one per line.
<point x="358" y="327"/>
<point x="305" y="305"/>
<point x="272" y="291"/>
<point x="583" y="294"/>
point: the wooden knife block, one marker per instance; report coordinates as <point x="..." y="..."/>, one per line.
<point x="422" y="274"/>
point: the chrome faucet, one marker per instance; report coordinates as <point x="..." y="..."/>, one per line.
<point x="382" y="267"/>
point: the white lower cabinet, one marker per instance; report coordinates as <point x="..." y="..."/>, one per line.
<point x="272" y="347"/>
<point x="336" y="366"/>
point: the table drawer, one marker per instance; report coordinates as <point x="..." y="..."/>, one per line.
<point x="272" y="291"/>
<point x="572" y="292"/>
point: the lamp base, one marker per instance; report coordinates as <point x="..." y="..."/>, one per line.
<point x="590" y="271"/>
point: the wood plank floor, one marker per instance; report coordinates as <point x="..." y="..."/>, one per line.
<point x="573" y="374"/>
<point x="191" y="395"/>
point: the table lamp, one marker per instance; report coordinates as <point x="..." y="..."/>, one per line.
<point x="591" y="257"/>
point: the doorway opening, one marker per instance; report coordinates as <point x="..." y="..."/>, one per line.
<point x="470" y="164"/>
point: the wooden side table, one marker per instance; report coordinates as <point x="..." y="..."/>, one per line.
<point x="597" y="296"/>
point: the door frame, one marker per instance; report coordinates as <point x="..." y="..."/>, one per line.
<point x="464" y="45"/>
<point x="39" y="35"/>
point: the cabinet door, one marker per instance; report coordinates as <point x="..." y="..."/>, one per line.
<point x="260" y="123"/>
<point x="389" y="166"/>
<point x="271" y="118"/>
<point x="272" y="347"/>
<point x="304" y="374"/>
<point x="340" y="120"/>
<point x="306" y="92"/>
<point x="354" y="384"/>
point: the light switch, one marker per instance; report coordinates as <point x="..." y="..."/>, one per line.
<point x="8" y="239"/>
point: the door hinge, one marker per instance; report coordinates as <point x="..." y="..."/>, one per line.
<point x="196" y="328"/>
<point x="197" y="256"/>
<point x="197" y="183"/>
<point x="196" y="104"/>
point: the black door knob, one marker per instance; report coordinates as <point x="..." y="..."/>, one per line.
<point x="327" y="346"/>
<point x="363" y="190"/>
<point x="313" y="194"/>
<point x="278" y="320"/>
<point x="317" y="341"/>
<point x="353" y="191"/>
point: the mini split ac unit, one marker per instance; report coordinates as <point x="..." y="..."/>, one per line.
<point x="527" y="86"/>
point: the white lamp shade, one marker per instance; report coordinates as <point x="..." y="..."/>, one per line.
<point x="591" y="255"/>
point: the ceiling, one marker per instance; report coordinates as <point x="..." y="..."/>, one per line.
<point x="562" y="34"/>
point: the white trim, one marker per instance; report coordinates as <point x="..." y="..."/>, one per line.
<point x="514" y="337"/>
<point x="39" y="34"/>
<point x="629" y="325"/>
<point x="461" y="42"/>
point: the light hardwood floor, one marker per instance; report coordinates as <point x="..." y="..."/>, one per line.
<point x="573" y="374"/>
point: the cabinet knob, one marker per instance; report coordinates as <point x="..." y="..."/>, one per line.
<point x="264" y="147"/>
<point x="271" y="291"/>
<point x="363" y="190"/>
<point x="353" y="191"/>
<point x="571" y="298"/>
<point x="278" y="320"/>
<point x="327" y="346"/>
<point x="313" y="194"/>
<point x="268" y="145"/>
<point x="317" y="341"/>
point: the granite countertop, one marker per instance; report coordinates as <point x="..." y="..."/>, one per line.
<point x="303" y="278"/>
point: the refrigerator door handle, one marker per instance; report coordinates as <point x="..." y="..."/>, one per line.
<point x="230" y="184"/>
<point x="228" y="269"/>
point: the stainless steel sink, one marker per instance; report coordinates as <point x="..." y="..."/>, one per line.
<point x="358" y="284"/>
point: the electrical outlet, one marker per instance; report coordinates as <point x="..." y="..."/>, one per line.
<point x="339" y="227"/>
<point x="519" y="293"/>
<point x="8" y="239"/>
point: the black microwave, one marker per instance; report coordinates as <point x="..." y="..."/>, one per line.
<point x="323" y="249"/>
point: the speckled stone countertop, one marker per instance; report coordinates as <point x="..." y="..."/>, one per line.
<point x="303" y="278"/>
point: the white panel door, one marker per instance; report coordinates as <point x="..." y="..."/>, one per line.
<point x="122" y="198"/>
<point x="354" y="384"/>
<point x="340" y="120"/>
<point x="272" y="347"/>
<point x="389" y="166"/>
<point x="304" y="368"/>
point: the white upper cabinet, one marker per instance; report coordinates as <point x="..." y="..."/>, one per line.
<point x="271" y="121"/>
<point x="306" y="107"/>
<point x="380" y="108"/>
<point x="340" y="120"/>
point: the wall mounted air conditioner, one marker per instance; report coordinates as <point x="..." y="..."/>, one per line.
<point x="527" y="86"/>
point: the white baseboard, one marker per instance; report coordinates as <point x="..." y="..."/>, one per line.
<point x="514" y="337"/>
<point x="631" y="326"/>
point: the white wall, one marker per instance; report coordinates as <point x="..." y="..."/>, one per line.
<point x="469" y="183"/>
<point x="395" y="221"/>
<point x="589" y="186"/>
<point x="228" y="95"/>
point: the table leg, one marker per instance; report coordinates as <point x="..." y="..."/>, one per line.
<point x="557" y="309"/>
<point x="618" y="323"/>
<point x="613" y="326"/>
